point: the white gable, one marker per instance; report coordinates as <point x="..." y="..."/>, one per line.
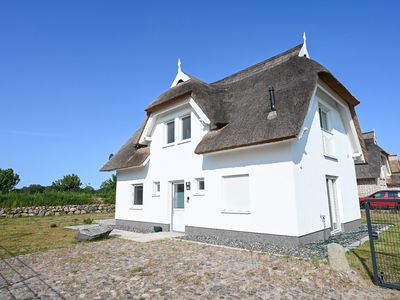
<point x="180" y="75"/>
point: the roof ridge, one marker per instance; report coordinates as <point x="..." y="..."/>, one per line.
<point x="266" y="63"/>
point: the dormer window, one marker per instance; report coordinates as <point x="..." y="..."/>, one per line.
<point x="323" y="118"/>
<point x="170" y="131"/>
<point x="327" y="136"/>
<point x="186" y="128"/>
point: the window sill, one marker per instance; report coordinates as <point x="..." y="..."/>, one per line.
<point x="331" y="157"/>
<point x="236" y="212"/>
<point x="155" y="195"/>
<point x="184" y="141"/>
<point x="199" y="194"/>
<point x="169" y="145"/>
<point x="326" y="131"/>
<point x="136" y="208"/>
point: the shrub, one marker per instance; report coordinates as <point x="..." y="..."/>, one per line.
<point x="88" y="221"/>
<point x="32" y="189"/>
<point x="109" y="185"/>
<point x="47" y="198"/>
<point x="69" y="183"/>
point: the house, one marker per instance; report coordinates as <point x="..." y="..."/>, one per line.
<point x="382" y="170"/>
<point x="394" y="181"/>
<point x="264" y="155"/>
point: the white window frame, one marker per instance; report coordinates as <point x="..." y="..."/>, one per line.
<point x="155" y="192"/>
<point x="181" y="139"/>
<point x="198" y="191"/>
<point x="166" y="144"/>
<point x="327" y="134"/>
<point x="133" y="205"/>
<point x="325" y="110"/>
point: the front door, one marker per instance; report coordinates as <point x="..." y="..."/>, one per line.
<point x="178" y="206"/>
<point x="333" y="204"/>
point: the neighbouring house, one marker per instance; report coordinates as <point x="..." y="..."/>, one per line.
<point x="266" y="155"/>
<point x="382" y="170"/>
<point x="394" y="180"/>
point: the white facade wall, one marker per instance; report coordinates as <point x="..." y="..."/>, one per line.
<point x="271" y="196"/>
<point x="311" y="168"/>
<point x="287" y="189"/>
<point x="166" y="164"/>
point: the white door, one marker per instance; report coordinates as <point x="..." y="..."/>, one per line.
<point x="334" y="212"/>
<point x="178" y="206"/>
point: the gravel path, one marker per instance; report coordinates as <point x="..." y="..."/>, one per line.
<point x="311" y="250"/>
<point x="175" y="269"/>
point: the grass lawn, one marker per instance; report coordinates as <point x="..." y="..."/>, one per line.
<point x="387" y="248"/>
<point x="31" y="234"/>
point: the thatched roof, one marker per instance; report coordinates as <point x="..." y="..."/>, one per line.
<point x="373" y="168"/>
<point x="394" y="163"/>
<point x="394" y="181"/>
<point x="130" y="155"/>
<point x="238" y="106"/>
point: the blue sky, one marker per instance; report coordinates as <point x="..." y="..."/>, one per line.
<point x="75" y="76"/>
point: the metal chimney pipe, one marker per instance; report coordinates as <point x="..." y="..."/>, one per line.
<point x="272" y="98"/>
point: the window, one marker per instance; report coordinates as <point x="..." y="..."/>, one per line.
<point x="236" y="193"/>
<point x="156" y="188"/>
<point x="394" y="194"/>
<point x="379" y="195"/>
<point x="200" y="186"/>
<point x="327" y="136"/>
<point x="323" y="118"/>
<point x="170" y="132"/>
<point x="186" y="128"/>
<point x="137" y="194"/>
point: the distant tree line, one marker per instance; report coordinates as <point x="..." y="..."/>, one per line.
<point x="69" y="183"/>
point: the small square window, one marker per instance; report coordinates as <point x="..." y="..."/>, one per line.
<point x="200" y="185"/>
<point x="170" y="132"/>
<point x="156" y="188"/>
<point x="137" y="194"/>
<point x="186" y="128"/>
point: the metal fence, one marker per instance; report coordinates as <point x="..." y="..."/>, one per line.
<point x="383" y="220"/>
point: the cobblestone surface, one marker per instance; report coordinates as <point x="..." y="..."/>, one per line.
<point x="175" y="269"/>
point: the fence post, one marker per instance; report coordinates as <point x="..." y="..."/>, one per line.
<point x="371" y="242"/>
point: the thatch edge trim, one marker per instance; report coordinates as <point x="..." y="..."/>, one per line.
<point x="248" y="145"/>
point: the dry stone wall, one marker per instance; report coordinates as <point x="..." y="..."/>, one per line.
<point x="42" y="211"/>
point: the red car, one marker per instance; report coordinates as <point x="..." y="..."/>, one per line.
<point x="382" y="195"/>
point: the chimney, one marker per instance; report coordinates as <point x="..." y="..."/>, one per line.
<point x="272" y="98"/>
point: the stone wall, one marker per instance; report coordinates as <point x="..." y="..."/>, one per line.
<point x="42" y="211"/>
<point x="368" y="186"/>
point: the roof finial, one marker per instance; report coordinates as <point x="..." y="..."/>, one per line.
<point x="303" y="51"/>
<point x="180" y="75"/>
<point x="179" y="65"/>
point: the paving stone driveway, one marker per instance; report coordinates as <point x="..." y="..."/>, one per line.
<point x="174" y="269"/>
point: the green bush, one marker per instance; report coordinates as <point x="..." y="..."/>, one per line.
<point x="69" y="183"/>
<point x="87" y="221"/>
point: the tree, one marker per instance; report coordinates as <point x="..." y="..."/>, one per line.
<point x="109" y="185"/>
<point x="8" y="180"/>
<point x="88" y="189"/>
<point x="33" y="189"/>
<point x="69" y="183"/>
